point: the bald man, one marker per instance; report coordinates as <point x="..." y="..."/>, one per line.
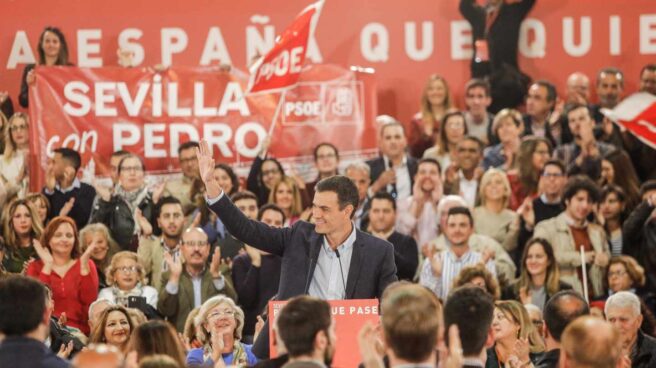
<point x="578" y="88"/>
<point x="99" y="356"/>
<point x="591" y="342"/>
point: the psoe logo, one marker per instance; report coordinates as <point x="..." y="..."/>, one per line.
<point x="343" y="103"/>
<point x="320" y="103"/>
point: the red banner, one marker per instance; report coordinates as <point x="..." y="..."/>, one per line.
<point x="637" y="114"/>
<point x="99" y="111"/>
<point x="281" y="67"/>
<point x="349" y="317"/>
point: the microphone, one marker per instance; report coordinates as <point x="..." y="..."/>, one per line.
<point x="341" y="271"/>
<point x="393" y="192"/>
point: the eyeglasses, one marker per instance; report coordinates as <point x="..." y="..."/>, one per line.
<point x="195" y="244"/>
<point x="219" y="314"/>
<point x="616" y="273"/>
<point x="187" y="160"/>
<point x="552" y="175"/>
<point x="127" y="269"/>
<point x="132" y="168"/>
<point x="537" y="323"/>
<point x="15" y="128"/>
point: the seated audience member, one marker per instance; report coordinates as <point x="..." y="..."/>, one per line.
<point x="186" y="286"/>
<point x="129" y="210"/>
<point x="13" y="161"/>
<point x="591" y="342"/>
<point x="264" y="174"/>
<point x="511" y="324"/>
<point x="209" y="222"/>
<point x="220" y="323"/>
<point x="306" y="328"/>
<point x="508" y="126"/>
<point x="326" y="161"/>
<point x="114" y="160"/>
<point x="479" y="243"/>
<point x="230" y="246"/>
<point x="611" y="214"/>
<point x="394" y="170"/>
<point x="286" y="194"/>
<point x="359" y="173"/>
<point x="617" y="168"/>
<point x="181" y="188"/>
<point x="256" y="274"/>
<point x="639" y="233"/>
<point x="41" y="204"/>
<point x="416" y="214"/>
<point x="561" y="309"/>
<point x="577" y="89"/>
<point x="535" y="315"/>
<point x="622" y="310"/>
<point x="492" y="217"/>
<point x="24" y="322"/>
<point x="479" y="276"/>
<point x="157" y="337"/>
<point x="426" y="125"/>
<point x="539" y="275"/>
<point x="114" y="328"/>
<point x="476" y="334"/>
<point x="71" y="276"/>
<point x="453" y="131"/>
<point x="584" y="154"/>
<point x="546" y="206"/>
<point x="648" y="79"/>
<point x="570" y="231"/>
<point x="382" y="217"/>
<point x="152" y="249"/>
<point x="104" y="248"/>
<point x="609" y="88"/>
<point x="95" y="310"/>
<point x="441" y="268"/>
<point x="477" y="118"/>
<point x="100" y="356"/>
<point x="538" y="120"/>
<point x="21" y="228"/>
<point x="534" y="152"/>
<point x="126" y="278"/>
<point x="67" y="195"/>
<point x="463" y="176"/>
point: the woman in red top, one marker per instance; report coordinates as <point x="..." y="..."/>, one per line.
<point x="425" y="125"/>
<point x="71" y="276"/>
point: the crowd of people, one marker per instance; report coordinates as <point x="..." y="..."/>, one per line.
<point x="492" y="237"/>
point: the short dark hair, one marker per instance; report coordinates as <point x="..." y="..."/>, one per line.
<point x="478" y="83"/>
<point x="460" y="210"/>
<point x="167" y="200"/>
<point x="430" y="160"/>
<point x="270" y="207"/>
<point x="556" y="314"/>
<point x="647" y="186"/>
<point x="244" y="194"/>
<point x="347" y="192"/>
<point x="299" y="322"/>
<point x="551" y="89"/>
<point x="315" y="152"/>
<point x="20" y="309"/>
<point x="554" y="162"/>
<point x="187" y="145"/>
<point x="71" y="156"/>
<point x="578" y="183"/>
<point x="385" y="196"/>
<point x="575" y="106"/>
<point x="649" y="67"/>
<point x="119" y="153"/>
<point x="611" y="70"/>
<point x="471" y="309"/>
<point x="478" y="141"/>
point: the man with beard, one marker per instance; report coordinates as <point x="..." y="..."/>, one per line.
<point x="416" y="214"/>
<point x="462" y="177"/>
<point x="151" y="250"/>
<point x="306" y="328"/>
<point x="189" y="285"/>
<point x="648" y="79"/>
<point x="610" y="86"/>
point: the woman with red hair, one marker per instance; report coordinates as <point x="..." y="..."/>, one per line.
<point x="71" y="276"/>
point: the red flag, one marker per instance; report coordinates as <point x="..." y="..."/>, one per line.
<point x="637" y="114"/>
<point x="281" y="67"/>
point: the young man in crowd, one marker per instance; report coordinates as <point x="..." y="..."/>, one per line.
<point x="382" y="217"/>
<point x="66" y="194"/>
<point x="463" y="176"/>
<point x="230" y="246"/>
<point x="394" y="170"/>
<point x="188" y="285"/>
<point x="151" y="250"/>
<point x="477" y="118"/>
<point x="181" y="188"/>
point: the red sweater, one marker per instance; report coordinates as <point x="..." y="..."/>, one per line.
<point x="72" y="294"/>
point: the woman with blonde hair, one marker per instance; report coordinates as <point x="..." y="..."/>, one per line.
<point x="13" y="161"/>
<point x="105" y="248"/>
<point x="21" y="228"/>
<point x="287" y="195"/>
<point x="220" y="323"/>
<point x="126" y="278"/>
<point x="454" y="129"/>
<point x="516" y="340"/>
<point x="426" y="124"/>
<point x="156" y="337"/>
<point x="41" y="204"/>
<point x="492" y="217"/>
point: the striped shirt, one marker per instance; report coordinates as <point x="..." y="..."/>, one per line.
<point x="451" y="267"/>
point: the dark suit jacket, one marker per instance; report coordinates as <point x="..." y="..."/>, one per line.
<point x="406" y="255"/>
<point x="372" y="262"/>
<point x="377" y="166"/>
<point x="19" y="352"/>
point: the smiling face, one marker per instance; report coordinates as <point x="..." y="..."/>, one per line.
<point x="51" y="44"/>
<point x="579" y="206"/>
<point x="537" y="260"/>
<point x="508" y="130"/>
<point x="117" y="329"/>
<point x="100" y="252"/>
<point x="127" y="274"/>
<point x="327" y="215"/>
<point x="189" y="163"/>
<point x="503" y="325"/>
<point x="436" y="93"/>
<point x="495" y="190"/>
<point x="458" y="229"/>
<point x="41" y="208"/>
<point x="63" y="240"/>
<point x="326" y="160"/>
<point x="19" y="131"/>
<point x="611" y="207"/>
<point x="477" y="101"/>
<point x="468" y="154"/>
<point x="21" y="220"/>
<point x="221" y="319"/>
<point x="454" y="128"/>
<point x="222" y="177"/>
<point x="195" y="248"/>
<point x="284" y="196"/>
<point x="272" y="218"/>
<point x="271" y="174"/>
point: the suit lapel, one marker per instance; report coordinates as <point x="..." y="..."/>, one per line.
<point x="356" y="264"/>
<point x="313" y="256"/>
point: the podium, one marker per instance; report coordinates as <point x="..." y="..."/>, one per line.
<point x="349" y="316"/>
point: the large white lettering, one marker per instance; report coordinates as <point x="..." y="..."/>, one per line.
<point x="585" y="40"/>
<point x="426" y="50"/>
<point x="374" y="42"/>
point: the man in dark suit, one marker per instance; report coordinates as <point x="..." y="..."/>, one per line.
<point x="382" y="217"/>
<point x="471" y="309"/>
<point x="330" y="259"/>
<point x="24" y="320"/>
<point x="394" y="170"/>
